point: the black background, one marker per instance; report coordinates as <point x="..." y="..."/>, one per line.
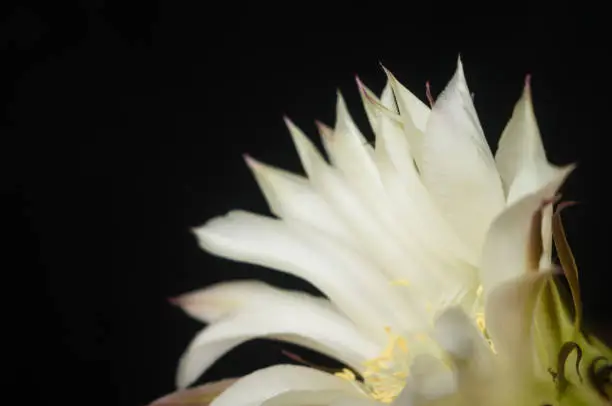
<point x="125" y="125"/>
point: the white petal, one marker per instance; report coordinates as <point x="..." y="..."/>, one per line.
<point x="306" y="150"/>
<point x="377" y="109"/>
<point x="403" y="185"/>
<point x="226" y="298"/>
<point x="509" y="314"/>
<point x="458" y="168"/>
<point x="431" y="378"/>
<point x="200" y="395"/>
<point x="292" y="198"/>
<point x="353" y="284"/>
<point x="460" y="338"/>
<point x="383" y="238"/>
<point x="522" y="163"/>
<point x="391" y="141"/>
<point x="348" y="152"/>
<point x="506" y="251"/>
<point x="267" y="384"/>
<point x="312" y="325"/>
<point x="409" y="104"/>
<point x="520" y="157"/>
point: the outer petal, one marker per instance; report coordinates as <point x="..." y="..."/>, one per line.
<point x="299" y="386"/>
<point x="509" y="314"/>
<point x="226" y="298"/>
<point x="522" y="164"/>
<point x="199" y="396"/>
<point x="458" y="168"/>
<point x="292" y="319"/>
<point x="505" y="255"/>
<point x="520" y="158"/>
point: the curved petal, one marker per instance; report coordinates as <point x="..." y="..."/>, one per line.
<point x="226" y="298"/>
<point x="509" y="313"/>
<point x="458" y="168"/>
<point x="522" y="163"/>
<point x="264" y="386"/>
<point x="520" y="157"/>
<point x="506" y="252"/>
<point x="317" y="327"/>
<point x="199" y="396"/>
<point x="292" y="198"/>
<point x="353" y="284"/>
<point x="348" y="151"/>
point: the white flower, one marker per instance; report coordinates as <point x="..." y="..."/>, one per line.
<point x="431" y="252"/>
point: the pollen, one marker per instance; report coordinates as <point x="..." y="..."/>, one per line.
<point x="480" y="323"/>
<point x="384" y="377"/>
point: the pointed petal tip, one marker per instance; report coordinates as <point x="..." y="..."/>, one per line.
<point x="324" y="130"/>
<point x="174" y="301"/>
<point x="251" y="162"/>
<point x="527" y="87"/>
<point x="360" y="84"/>
<point x="387" y="72"/>
<point x="339" y="95"/>
<point x="288" y="121"/>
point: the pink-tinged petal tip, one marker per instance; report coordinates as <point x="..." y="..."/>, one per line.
<point x="430" y="98"/>
<point x="250" y="161"/>
<point x="359" y="84"/>
<point x="174" y="301"/>
<point x="287" y="120"/>
<point x="528" y="80"/>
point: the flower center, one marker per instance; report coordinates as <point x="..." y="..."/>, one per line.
<point x="385" y="376"/>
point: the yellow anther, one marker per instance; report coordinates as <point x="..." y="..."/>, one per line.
<point x="346" y="374"/>
<point x="385" y="376"/>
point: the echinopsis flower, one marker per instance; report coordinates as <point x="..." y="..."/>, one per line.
<point x="435" y="257"/>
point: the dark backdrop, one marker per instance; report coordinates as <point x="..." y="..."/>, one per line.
<point x="126" y="123"/>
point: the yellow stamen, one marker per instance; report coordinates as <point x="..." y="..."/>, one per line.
<point x="384" y="376"/>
